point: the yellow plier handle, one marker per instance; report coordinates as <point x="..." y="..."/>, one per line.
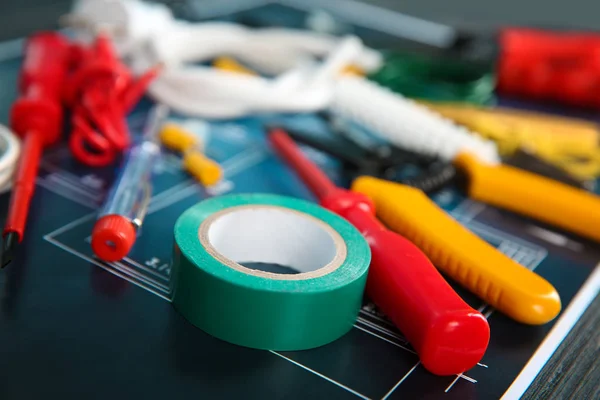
<point x="499" y="281"/>
<point x="540" y="198"/>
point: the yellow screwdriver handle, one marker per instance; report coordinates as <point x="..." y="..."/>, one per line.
<point x="540" y="198"/>
<point x="502" y="283"/>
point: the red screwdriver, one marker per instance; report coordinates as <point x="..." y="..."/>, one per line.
<point x="37" y="118"/>
<point x="449" y="336"/>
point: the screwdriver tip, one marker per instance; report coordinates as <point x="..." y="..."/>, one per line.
<point x="9" y="242"/>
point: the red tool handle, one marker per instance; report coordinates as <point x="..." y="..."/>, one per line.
<point x="449" y="336"/>
<point x="563" y="67"/>
<point x="43" y="75"/>
<point x="36" y="116"/>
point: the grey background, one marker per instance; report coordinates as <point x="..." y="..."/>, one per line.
<point x="19" y="17"/>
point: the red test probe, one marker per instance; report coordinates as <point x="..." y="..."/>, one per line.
<point x="37" y="118"/>
<point x="101" y="91"/>
<point x="449" y="336"/>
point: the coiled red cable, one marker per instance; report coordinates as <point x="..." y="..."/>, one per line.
<point x="101" y="91"/>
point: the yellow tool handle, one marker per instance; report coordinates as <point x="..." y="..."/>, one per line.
<point x="540" y="198"/>
<point x="499" y="281"/>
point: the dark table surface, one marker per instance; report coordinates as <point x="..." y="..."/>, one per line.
<point x="574" y="369"/>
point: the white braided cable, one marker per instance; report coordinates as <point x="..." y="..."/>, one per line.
<point x="405" y="123"/>
<point x="305" y="64"/>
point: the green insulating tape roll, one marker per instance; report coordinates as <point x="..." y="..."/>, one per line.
<point x="264" y="310"/>
<point x="437" y="78"/>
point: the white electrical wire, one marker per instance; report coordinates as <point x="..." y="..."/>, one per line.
<point x="148" y="34"/>
<point x="10" y="148"/>
<point x="405" y="123"/>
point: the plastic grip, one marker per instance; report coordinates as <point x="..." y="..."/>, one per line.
<point x="449" y="336"/>
<point x="499" y="281"/>
<point x="532" y="195"/>
<point x="42" y="77"/>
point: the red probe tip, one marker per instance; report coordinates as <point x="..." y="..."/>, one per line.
<point x="112" y="237"/>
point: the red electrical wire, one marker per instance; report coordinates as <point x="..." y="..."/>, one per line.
<point x="101" y="92"/>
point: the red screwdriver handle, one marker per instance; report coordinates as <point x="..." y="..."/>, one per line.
<point x="36" y="116"/>
<point x="43" y="74"/>
<point x="448" y="335"/>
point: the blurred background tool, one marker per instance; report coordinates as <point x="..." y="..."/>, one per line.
<point x="414" y="127"/>
<point x="549" y="201"/>
<point x="501" y="282"/>
<point x="539" y="64"/>
<point x="436" y="78"/>
<point x="449" y="336"/>
<point x="175" y="137"/>
<point x="526" y="160"/>
<point x="101" y="91"/>
<point x="564" y="142"/>
<point x="127" y="203"/>
<point x="555" y="66"/>
<point x="426" y="173"/>
<point x="37" y="118"/>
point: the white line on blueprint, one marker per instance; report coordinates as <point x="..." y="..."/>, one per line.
<point x="459" y="376"/>
<point x="231" y="167"/>
<point x="64" y="174"/>
<point x="95" y="262"/>
<point x="41" y="182"/>
<point x="382" y="338"/>
<point x="320" y="375"/>
<point x="468" y="378"/>
<point x="171" y="190"/>
<point x="452" y="384"/>
<point x="472" y="209"/>
<point x="380" y="329"/>
<point x="378" y="318"/>
<point x="174" y="198"/>
<point x="71" y="224"/>
<point x="63" y="180"/>
<point x="145" y="268"/>
<point x="400" y="381"/>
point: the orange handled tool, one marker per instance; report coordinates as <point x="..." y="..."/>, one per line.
<point x="449" y="336"/>
<point x="532" y="195"/>
<point x="499" y="281"/>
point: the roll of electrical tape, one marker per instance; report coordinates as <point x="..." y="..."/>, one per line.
<point x="218" y="294"/>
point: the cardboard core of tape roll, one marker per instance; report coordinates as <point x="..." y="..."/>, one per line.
<point x="273" y="234"/>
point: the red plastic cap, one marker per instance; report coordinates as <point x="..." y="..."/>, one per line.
<point x="112" y="237"/>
